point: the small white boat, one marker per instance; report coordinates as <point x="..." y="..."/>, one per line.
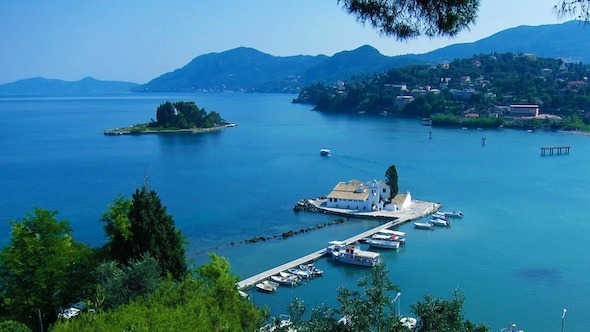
<point x="400" y="236"/>
<point x="409" y="322"/>
<point x="454" y="214"/>
<point x="325" y="152"/>
<point x="267" y="286"/>
<point x="440" y="222"/>
<point x="300" y="273"/>
<point x="439" y="215"/>
<point x="291" y="276"/>
<point x="310" y="268"/>
<point x="423" y="225"/>
<point x="283" y="280"/>
<point x="383" y="243"/>
<point x="282" y="323"/>
<point x="243" y="294"/>
<point x="351" y="254"/>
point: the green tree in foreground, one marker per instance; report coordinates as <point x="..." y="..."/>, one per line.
<point x="443" y="315"/>
<point x="405" y="19"/>
<point x="208" y="302"/>
<point x="152" y="231"/>
<point x="42" y="269"/>
<point x="119" y="284"/>
<point x="392" y="181"/>
<point x="371" y="309"/>
<point x="118" y="229"/>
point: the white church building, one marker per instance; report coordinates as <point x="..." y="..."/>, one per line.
<point x="367" y="196"/>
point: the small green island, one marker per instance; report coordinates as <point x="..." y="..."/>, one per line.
<point x="177" y="117"/>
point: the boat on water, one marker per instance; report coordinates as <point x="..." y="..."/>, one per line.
<point x="440" y="222"/>
<point x="291" y="276"/>
<point x="383" y="243"/>
<point x="300" y="273"/>
<point x="310" y="268"/>
<point x="424" y="225"/>
<point x="283" y="280"/>
<point x="453" y="214"/>
<point x="281" y="323"/>
<point x="440" y="215"/>
<point x="267" y="286"/>
<point x="351" y="254"/>
<point x="400" y="236"/>
<point x="325" y="152"/>
<point x="409" y="322"/>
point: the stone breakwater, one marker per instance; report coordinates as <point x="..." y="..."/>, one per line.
<point x="282" y="236"/>
<point x="307" y="205"/>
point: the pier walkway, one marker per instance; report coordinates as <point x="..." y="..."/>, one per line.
<point x="559" y="149"/>
<point x="416" y="210"/>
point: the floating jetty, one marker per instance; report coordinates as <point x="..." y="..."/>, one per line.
<point x="558" y="149"/>
<point x="417" y="210"/>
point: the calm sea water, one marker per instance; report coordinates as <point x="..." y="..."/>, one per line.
<point x="519" y="255"/>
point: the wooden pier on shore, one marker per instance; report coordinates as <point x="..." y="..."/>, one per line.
<point x="418" y="210"/>
<point x="558" y="149"/>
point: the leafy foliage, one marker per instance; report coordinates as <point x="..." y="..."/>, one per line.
<point x="42" y="269"/>
<point x="404" y="19"/>
<point x="118" y="228"/>
<point x="444" y="315"/>
<point x="192" y="304"/>
<point x="13" y="326"/>
<point x="578" y="8"/>
<point x="119" y="284"/>
<point x="370" y="309"/>
<point x="392" y="181"/>
<point x="474" y="84"/>
<point x="185" y="115"/>
<point x="152" y="231"/>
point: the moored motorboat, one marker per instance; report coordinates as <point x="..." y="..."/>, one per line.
<point x="300" y="273"/>
<point x="424" y="225"/>
<point x="383" y="243"/>
<point x="351" y="254"/>
<point x="400" y="236"/>
<point x="290" y="276"/>
<point x="439" y="215"/>
<point x="283" y="280"/>
<point x="310" y="268"/>
<point x="440" y="222"/>
<point x="267" y="286"/>
<point x="454" y="214"/>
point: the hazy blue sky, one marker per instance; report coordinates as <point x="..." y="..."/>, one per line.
<point x="137" y="40"/>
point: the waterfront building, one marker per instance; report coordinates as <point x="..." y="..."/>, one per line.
<point x="356" y="195"/>
<point x="524" y="110"/>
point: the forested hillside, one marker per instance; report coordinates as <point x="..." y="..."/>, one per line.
<point x="475" y="85"/>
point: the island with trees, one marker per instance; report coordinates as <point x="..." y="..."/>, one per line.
<point x="177" y="117"/>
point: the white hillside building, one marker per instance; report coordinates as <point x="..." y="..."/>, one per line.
<point x="355" y="195"/>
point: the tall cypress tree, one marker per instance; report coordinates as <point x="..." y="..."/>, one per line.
<point x="391" y="176"/>
<point x="153" y="231"/>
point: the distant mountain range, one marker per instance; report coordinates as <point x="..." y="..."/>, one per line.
<point x="44" y="86"/>
<point x="246" y="69"/>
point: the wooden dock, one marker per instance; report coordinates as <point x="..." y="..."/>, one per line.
<point x="418" y="210"/>
<point x="558" y="149"/>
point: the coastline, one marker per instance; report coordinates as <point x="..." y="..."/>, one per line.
<point x="129" y="131"/>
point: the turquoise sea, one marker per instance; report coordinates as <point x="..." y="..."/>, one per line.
<point x="519" y="255"/>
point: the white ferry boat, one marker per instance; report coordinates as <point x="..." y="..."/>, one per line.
<point x="351" y="254"/>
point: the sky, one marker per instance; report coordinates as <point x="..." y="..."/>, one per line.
<point x="138" y="40"/>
